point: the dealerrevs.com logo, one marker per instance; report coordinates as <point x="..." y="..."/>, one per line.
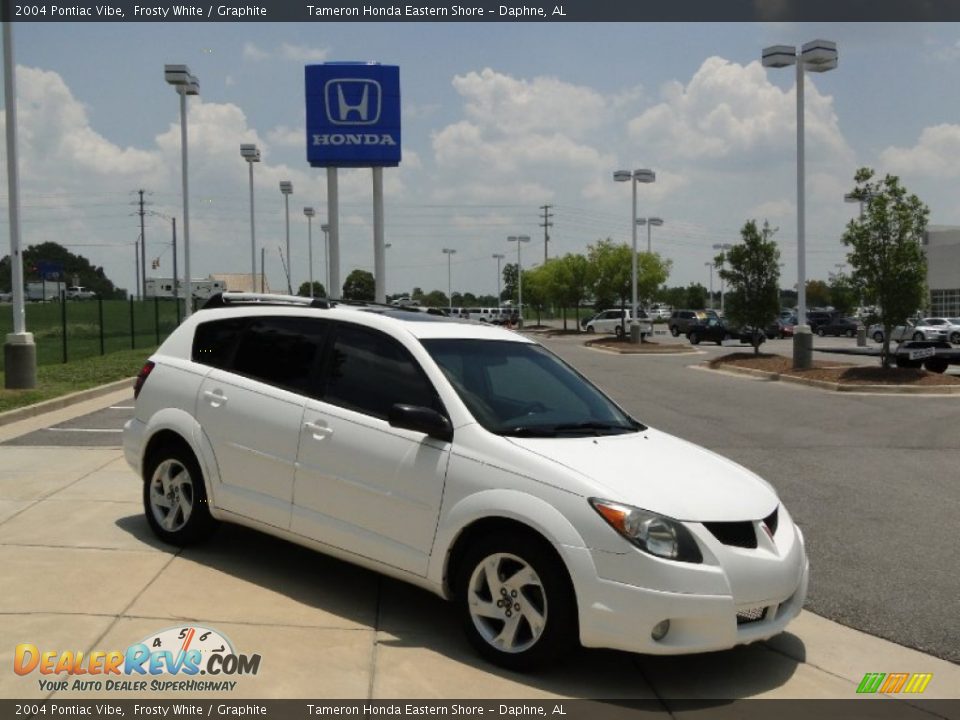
<point x="182" y="652"/>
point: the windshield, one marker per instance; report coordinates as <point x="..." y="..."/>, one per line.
<point x="524" y="390"/>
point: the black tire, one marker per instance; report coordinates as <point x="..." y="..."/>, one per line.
<point x="955" y="338"/>
<point x="591" y="329"/>
<point x="694" y="338"/>
<point x="675" y="331"/>
<point x="189" y="521"/>
<point x="548" y="595"/>
<point x="878" y="337"/>
<point x="936" y="365"/>
<point x="918" y="336"/>
<point x="618" y="331"/>
<point x="821" y="332"/>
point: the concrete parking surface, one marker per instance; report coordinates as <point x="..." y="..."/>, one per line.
<point x="870" y="479"/>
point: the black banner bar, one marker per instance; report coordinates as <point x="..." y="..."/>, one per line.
<point x="483" y="11"/>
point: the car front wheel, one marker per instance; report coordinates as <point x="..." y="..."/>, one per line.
<point x="918" y="335"/>
<point x="821" y="332"/>
<point x="878" y="337"/>
<point x="674" y="330"/>
<point x="618" y="331"/>
<point x="955" y="338"/>
<point x="516" y="601"/>
<point x="591" y="329"/>
<point x="174" y="498"/>
<point x="694" y="338"/>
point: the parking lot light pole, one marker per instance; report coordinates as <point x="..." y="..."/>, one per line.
<point x="650" y="222"/>
<point x="644" y="176"/>
<point x="19" y="348"/>
<point x="815" y="56"/>
<point x="498" y="257"/>
<point x="286" y="188"/>
<point x="185" y="84"/>
<point x="722" y="247"/>
<point x="309" y="213"/>
<point x="519" y="240"/>
<point x="449" y="252"/>
<point x="251" y="153"/>
<point x="710" y="265"/>
<point x="326" y="256"/>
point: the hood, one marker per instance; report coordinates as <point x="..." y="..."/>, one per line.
<point x="661" y="473"/>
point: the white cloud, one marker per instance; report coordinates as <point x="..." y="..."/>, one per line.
<point x="731" y="113"/>
<point x="302" y="53"/>
<point x="935" y="154"/>
<point x="252" y="52"/>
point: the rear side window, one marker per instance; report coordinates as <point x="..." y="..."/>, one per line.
<point x="369" y="372"/>
<point x="214" y="343"/>
<point x="280" y="351"/>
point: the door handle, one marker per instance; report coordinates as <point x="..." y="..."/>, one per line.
<point x="215" y="397"/>
<point x="319" y="431"/>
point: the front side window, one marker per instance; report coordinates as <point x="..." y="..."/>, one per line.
<point x="522" y="389"/>
<point x="369" y="372"/>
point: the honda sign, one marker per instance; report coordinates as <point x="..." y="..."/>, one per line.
<point x="353" y="115"/>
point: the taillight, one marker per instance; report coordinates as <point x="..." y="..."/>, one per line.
<point x="142" y="378"/>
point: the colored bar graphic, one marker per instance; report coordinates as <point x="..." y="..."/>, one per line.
<point x="893" y="683"/>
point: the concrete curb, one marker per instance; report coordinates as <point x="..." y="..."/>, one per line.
<point x="12" y="416"/>
<point x="839" y="387"/>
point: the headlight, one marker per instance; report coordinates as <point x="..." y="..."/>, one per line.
<point x="652" y="533"/>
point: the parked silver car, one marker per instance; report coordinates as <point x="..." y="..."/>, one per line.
<point x="913" y="330"/>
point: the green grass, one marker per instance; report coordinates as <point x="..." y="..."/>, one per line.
<point x="62" y="379"/>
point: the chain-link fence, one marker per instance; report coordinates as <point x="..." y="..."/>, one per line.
<point x="74" y="329"/>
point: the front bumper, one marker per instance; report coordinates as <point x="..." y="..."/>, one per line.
<point x="621" y="615"/>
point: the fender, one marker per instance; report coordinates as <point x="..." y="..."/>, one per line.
<point x="185" y="425"/>
<point x="501" y="503"/>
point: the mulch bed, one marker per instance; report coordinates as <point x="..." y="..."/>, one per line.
<point x="836" y="372"/>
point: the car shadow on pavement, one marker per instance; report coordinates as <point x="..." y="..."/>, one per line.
<point x="419" y="648"/>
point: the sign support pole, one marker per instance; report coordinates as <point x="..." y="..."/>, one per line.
<point x="333" y="210"/>
<point x="379" y="253"/>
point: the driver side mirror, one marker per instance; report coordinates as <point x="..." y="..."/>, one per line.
<point x="420" y="419"/>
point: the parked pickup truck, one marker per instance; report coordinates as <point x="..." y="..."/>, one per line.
<point x="78" y="292"/>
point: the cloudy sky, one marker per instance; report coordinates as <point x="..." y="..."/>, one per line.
<point x="498" y="119"/>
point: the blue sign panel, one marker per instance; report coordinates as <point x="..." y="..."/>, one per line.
<point x="353" y="115"/>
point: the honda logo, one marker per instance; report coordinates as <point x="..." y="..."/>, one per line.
<point x="353" y="101"/>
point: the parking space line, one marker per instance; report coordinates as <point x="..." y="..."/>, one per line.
<point x="88" y="430"/>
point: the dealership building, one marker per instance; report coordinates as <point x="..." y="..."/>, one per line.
<point x="942" y="244"/>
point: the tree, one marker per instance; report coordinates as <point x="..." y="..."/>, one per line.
<point x="889" y="266"/>
<point x="843" y="295"/>
<point x="509" y="290"/>
<point x="570" y="279"/>
<point x="360" y="285"/>
<point x="612" y="270"/>
<point x="76" y="269"/>
<point x="536" y="288"/>
<point x="696" y="296"/>
<point x="752" y="274"/>
<point x="818" y="293"/>
<point x="435" y="298"/>
<point x="318" y="290"/>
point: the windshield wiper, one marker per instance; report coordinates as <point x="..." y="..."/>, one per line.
<point x="596" y="426"/>
<point x="542" y="431"/>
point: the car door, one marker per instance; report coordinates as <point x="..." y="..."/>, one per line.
<point x="360" y="484"/>
<point x="251" y="411"/>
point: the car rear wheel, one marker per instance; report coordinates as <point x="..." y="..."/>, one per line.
<point x="936" y="365"/>
<point x="516" y="602"/>
<point x="878" y="337"/>
<point x="174" y="498"/>
<point x="674" y="330"/>
<point x="821" y="332"/>
<point x="694" y="338"/>
<point x="618" y="331"/>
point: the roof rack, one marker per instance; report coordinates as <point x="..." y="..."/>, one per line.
<point x="233" y="299"/>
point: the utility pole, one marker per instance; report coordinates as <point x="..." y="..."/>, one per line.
<point x="143" y="249"/>
<point x="545" y="225"/>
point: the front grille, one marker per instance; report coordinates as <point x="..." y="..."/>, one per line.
<point x="738" y="534"/>
<point x="751" y="615"/>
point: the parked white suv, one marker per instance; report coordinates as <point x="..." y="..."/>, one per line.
<point x="465" y="459"/>
<point x="618" y="321"/>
